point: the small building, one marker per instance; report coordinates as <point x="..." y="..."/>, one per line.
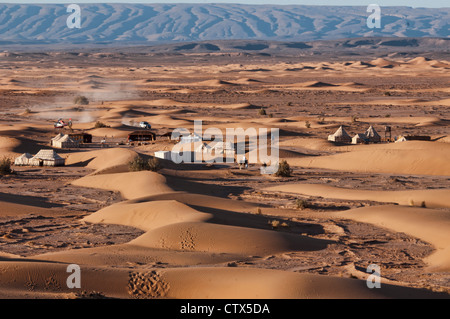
<point x="141" y="136"/>
<point x="47" y="158"/>
<point x="417" y="138"/>
<point x="340" y="136"/>
<point x="372" y="135"/>
<point x="81" y="137"/>
<point x="23" y="159"/>
<point x="359" y="139"/>
<point x="167" y="155"/>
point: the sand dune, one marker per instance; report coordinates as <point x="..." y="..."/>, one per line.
<point x="427" y="224"/>
<point x="147" y="215"/>
<point x="215" y="82"/>
<point x="248" y="283"/>
<point x="202" y="201"/>
<point x="21" y="206"/>
<point x="49" y="279"/>
<point x="7" y="145"/>
<point x="169" y="102"/>
<point x="247" y="81"/>
<point x="391" y="101"/>
<point x="131" y="185"/>
<point x="101" y="160"/>
<point x="398" y="158"/>
<point x="425" y="62"/>
<point x="319" y="85"/>
<point x="432" y="198"/>
<point x="126" y="255"/>
<point x="383" y="63"/>
<point x="215" y="238"/>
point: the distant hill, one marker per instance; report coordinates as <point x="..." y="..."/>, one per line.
<point x="160" y="23"/>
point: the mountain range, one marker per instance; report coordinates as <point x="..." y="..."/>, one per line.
<point x="168" y="23"/>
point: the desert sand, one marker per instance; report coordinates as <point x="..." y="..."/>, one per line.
<point x="215" y="230"/>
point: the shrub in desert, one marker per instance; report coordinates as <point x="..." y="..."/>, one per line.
<point x="154" y="164"/>
<point x="274" y="223"/>
<point x="81" y="100"/>
<point x="138" y="164"/>
<point x="100" y="124"/>
<point x="307" y="124"/>
<point x="262" y="111"/>
<point x="284" y="170"/>
<point x="301" y="204"/>
<point x="5" y="166"/>
<point x="141" y="164"/>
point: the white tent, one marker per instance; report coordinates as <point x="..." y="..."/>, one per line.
<point x="64" y="142"/>
<point x="372" y="135"/>
<point x="340" y="136"/>
<point x="359" y="138"/>
<point x="47" y="158"/>
<point x="23" y="159"/>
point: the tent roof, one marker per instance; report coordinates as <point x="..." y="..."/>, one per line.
<point x="371" y="132"/>
<point x="57" y="137"/>
<point x="47" y="155"/>
<point x="66" y="138"/>
<point x="341" y="132"/>
<point x="25" y="155"/>
<point x="28" y="155"/>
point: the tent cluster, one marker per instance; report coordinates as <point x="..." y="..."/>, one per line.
<point x="201" y="151"/>
<point x="42" y="158"/>
<point x="341" y="136"/>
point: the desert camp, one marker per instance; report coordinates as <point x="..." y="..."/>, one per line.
<point x="44" y="157"/>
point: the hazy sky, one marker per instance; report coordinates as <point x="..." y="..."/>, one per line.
<point x="409" y="3"/>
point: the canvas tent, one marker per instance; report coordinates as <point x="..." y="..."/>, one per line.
<point x="47" y="158"/>
<point x="340" y="136"/>
<point x="64" y="141"/>
<point x="359" y="138"/>
<point x="23" y="159"/>
<point x="400" y="139"/>
<point x="372" y="135"/>
<point x="57" y="137"/>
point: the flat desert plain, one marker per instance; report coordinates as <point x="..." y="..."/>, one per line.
<point x="213" y="230"/>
